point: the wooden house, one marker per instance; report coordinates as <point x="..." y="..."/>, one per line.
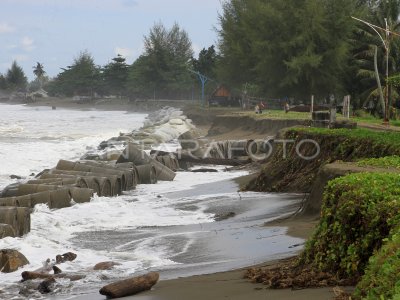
<point x="222" y="96"/>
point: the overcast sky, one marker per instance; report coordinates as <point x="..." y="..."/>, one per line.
<point x="53" y="32"/>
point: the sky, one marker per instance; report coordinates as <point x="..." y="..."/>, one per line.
<point x="54" y="32"/>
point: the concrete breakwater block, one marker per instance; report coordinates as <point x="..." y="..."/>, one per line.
<point x="147" y="174"/>
<point x="21" y="201"/>
<point x="81" y="195"/>
<point x="26" y="189"/>
<point x="128" y="171"/>
<point x="139" y="158"/>
<point x="18" y="218"/>
<point x="54" y="181"/>
<point x="103" y="186"/>
<point x="170" y="162"/>
<point x="163" y="172"/>
<point x="24" y="220"/>
<point x="115" y="180"/>
<point x="9" y="215"/>
<point x="126" y="176"/>
<point x="54" y="199"/>
<point x="6" y="230"/>
<point x="10" y="190"/>
<point x="135" y="155"/>
<point x="91" y="183"/>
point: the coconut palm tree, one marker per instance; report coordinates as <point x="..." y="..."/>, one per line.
<point x="39" y="72"/>
<point x="381" y="11"/>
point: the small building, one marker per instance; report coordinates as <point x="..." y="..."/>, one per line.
<point x="222" y="96"/>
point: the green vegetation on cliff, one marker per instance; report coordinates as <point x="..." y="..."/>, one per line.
<point x="376" y="138"/>
<point x="358" y="212"/>
<point x="381" y="279"/>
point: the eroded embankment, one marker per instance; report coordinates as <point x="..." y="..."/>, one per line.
<point x="236" y="126"/>
<point x="265" y="127"/>
<point x="294" y="165"/>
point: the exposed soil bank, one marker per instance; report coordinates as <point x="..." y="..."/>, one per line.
<point x="234" y="125"/>
<point x="227" y="125"/>
<point x="288" y="171"/>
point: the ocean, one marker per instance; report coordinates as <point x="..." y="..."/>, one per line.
<point x="169" y="227"/>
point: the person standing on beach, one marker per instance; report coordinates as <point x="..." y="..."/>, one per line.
<point x="286" y="107"/>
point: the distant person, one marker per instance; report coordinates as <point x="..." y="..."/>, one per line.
<point x="257" y="109"/>
<point x="261" y="106"/>
<point x="286" y="107"/>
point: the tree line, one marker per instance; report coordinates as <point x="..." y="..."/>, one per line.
<point x="266" y="48"/>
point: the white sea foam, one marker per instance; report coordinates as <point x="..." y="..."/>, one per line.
<point x="32" y="139"/>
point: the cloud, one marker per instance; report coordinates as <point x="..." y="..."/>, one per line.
<point x="20" y="57"/>
<point x="125" y="52"/>
<point x="6" y="28"/>
<point x="27" y="43"/>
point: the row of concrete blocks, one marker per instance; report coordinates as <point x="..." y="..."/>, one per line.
<point x="77" y="182"/>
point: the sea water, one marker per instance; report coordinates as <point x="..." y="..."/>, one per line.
<point x="168" y="227"/>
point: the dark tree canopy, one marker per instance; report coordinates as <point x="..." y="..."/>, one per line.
<point x="162" y="71"/>
<point x="206" y="62"/>
<point x="115" y="76"/>
<point x="80" y="78"/>
<point x="288" y="48"/>
<point x="16" y="78"/>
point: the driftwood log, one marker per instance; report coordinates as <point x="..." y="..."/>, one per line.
<point x="28" y="275"/>
<point x="130" y="286"/>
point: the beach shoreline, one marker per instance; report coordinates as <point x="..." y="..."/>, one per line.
<point x="232" y="284"/>
<point x="218" y="285"/>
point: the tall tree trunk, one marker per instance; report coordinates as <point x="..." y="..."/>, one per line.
<point x="378" y="81"/>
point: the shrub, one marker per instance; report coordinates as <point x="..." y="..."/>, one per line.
<point x="381" y="279"/>
<point x="358" y="211"/>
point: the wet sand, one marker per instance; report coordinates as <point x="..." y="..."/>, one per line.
<point x="231" y="285"/>
<point x="220" y="286"/>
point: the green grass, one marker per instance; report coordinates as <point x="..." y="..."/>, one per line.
<point x="382" y="162"/>
<point x="278" y="115"/>
<point x="387" y="138"/>
<point x="373" y="120"/>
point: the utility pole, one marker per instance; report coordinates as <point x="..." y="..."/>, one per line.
<point x="203" y="80"/>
